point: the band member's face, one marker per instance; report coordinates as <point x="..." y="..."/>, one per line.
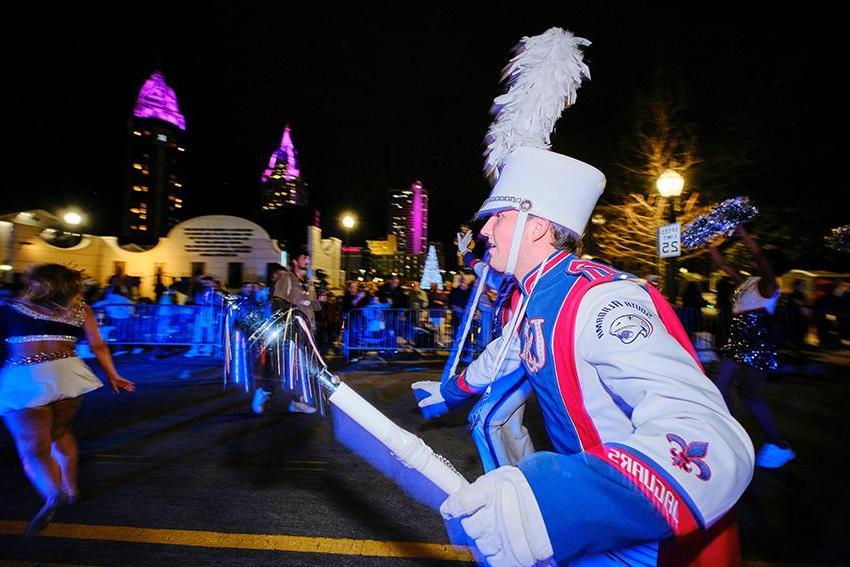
<point x="499" y="231"/>
<point x="301" y="262"/>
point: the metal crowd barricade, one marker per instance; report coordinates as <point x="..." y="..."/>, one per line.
<point x="375" y="329"/>
<point x="709" y="328"/>
<point x="160" y="324"/>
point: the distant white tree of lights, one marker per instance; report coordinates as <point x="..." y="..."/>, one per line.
<point x="431" y="272"/>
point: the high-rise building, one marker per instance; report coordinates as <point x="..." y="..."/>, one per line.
<point x="284" y="208"/>
<point x="282" y="186"/>
<point x="154" y="192"/>
<point x="408" y="218"/>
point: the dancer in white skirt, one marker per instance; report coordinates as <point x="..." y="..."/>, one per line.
<point x="42" y="380"/>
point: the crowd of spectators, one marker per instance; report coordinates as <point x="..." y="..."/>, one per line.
<point x="803" y="320"/>
<point x="818" y="318"/>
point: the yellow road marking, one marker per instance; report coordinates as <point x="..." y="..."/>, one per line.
<point x="10" y="563"/>
<point x="300" y="544"/>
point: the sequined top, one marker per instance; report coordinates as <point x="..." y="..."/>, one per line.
<point x="20" y="323"/>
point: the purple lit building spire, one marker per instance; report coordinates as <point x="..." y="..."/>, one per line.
<point x="157" y="100"/>
<point x="282" y="186"/>
<point x="286" y="152"/>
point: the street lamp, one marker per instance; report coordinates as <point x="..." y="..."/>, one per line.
<point x="73" y="218"/>
<point x="348" y="221"/>
<point x="670" y="185"/>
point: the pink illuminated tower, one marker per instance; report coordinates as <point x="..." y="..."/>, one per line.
<point x="282" y="186"/>
<point x="156" y="152"/>
<point x="408" y="218"/>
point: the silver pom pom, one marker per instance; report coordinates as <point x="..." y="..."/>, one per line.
<point x="722" y="220"/>
<point x="839" y="239"/>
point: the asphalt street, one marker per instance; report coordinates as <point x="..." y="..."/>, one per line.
<point x="182" y="472"/>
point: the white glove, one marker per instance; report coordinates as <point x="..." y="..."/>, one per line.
<point x="430" y="399"/>
<point x="430" y="393"/>
<point x="305" y="302"/>
<point x="501" y="514"/>
<point x="463" y="241"/>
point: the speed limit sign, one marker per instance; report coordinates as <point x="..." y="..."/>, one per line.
<point x="669" y="240"/>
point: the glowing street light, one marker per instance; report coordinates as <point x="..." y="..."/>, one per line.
<point x="670" y="184"/>
<point x="348" y="221"/>
<point x="73" y="218"/>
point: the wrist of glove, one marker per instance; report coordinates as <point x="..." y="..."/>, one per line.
<point x="499" y="512"/>
<point x="436" y="399"/>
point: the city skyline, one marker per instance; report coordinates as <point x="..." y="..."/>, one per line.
<point x="378" y="96"/>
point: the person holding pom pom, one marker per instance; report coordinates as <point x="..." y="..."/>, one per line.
<point x="749" y="353"/>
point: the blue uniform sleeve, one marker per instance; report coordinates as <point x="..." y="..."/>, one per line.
<point x="588" y="506"/>
<point x="470" y="261"/>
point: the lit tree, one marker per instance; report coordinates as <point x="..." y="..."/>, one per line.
<point x="431" y="272"/>
<point x="624" y="229"/>
<point x="661" y="139"/>
<point x="625" y="233"/>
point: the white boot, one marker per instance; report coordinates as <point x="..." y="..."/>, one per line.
<point x="261" y="401"/>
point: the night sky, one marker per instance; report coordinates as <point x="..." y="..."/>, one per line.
<point x="380" y="94"/>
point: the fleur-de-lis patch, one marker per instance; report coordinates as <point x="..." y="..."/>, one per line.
<point x="688" y="455"/>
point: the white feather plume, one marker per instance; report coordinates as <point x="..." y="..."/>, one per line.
<point x="542" y="80"/>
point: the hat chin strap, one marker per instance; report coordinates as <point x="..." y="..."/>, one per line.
<point x="513" y="326"/>
<point x="510" y="268"/>
<point x="519" y="310"/>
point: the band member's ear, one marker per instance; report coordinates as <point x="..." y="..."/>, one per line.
<point x="539" y="227"/>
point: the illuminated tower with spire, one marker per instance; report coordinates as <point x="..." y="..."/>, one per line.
<point x="282" y="186"/>
<point x="154" y="192"/>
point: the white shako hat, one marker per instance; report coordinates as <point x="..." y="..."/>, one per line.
<point x="542" y="79"/>
<point x="546" y="184"/>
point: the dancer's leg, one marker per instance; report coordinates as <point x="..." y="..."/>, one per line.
<point x="727" y="375"/>
<point x="750" y="389"/>
<point x="31" y="428"/>
<point x="64" y="447"/>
